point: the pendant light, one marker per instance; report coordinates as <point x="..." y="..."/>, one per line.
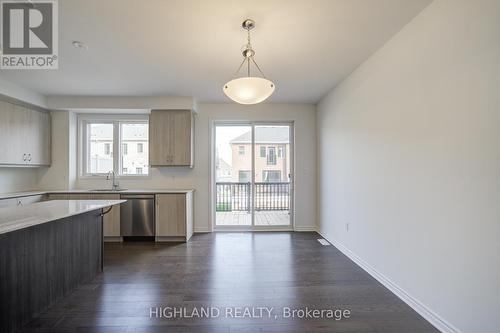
<point x="249" y="89"/>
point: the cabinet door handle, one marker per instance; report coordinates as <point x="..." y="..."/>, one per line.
<point x="24" y="157"/>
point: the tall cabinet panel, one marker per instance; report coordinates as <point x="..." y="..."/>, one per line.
<point x="171" y="138"/>
<point x="12" y="134"/>
<point x="24" y="136"/>
<point x="39" y="126"/>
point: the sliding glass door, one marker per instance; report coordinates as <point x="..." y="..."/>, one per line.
<point x="253" y="176"/>
<point x="233" y="176"/>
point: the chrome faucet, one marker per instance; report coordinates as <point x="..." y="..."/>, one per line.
<point x="111" y="176"/>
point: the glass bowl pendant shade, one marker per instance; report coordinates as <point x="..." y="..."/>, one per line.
<point x="249" y="89"/>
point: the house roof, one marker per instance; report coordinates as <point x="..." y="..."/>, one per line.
<point x="130" y="132"/>
<point x="221" y="164"/>
<point x="268" y="134"/>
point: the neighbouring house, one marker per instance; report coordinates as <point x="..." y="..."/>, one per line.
<point x="272" y="155"/>
<point x="134" y="149"/>
<point x="223" y="171"/>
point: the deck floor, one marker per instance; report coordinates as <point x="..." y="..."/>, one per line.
<point x="262" y="218"/>
<point x="229" y="270"/>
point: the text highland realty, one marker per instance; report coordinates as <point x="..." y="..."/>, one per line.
<point x="168" y="312"/>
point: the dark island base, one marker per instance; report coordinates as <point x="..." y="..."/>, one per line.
<point x="43" y="263"/>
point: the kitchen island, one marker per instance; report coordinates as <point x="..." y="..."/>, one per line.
<point x="47" y="249"/>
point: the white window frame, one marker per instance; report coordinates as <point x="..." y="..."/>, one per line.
<point x="116" y="120"/>
<point x="290" y="177"/>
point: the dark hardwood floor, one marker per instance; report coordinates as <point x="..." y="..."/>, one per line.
<point x="228" y="270"/>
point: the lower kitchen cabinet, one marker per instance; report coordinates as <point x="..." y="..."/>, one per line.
<point x="111" y="221"/>
<point x="174" y="216"/>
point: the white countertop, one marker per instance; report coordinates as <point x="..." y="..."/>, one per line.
<point x="20" y="194"/>
<point x="20" y="217"/>
<point x="128" y="191"/>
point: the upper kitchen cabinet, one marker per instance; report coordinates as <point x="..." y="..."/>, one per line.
<point x="24" y="136"/>
<point x="171" y="138"/>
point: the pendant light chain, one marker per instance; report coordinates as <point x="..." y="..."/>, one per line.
<point x="249" y="58"/>
<point x="249" y="47"/>
<point x="248" y="89"/>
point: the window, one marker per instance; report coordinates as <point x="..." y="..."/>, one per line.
<point x="271" y="156"/>
<point x="280" y="152"/>
<point x="135" y="134"/>
<point x="262" y="151"/>
<point x="244" y="176"/>
<point x="241" y="150"/>
<point x="271" y="176"/>
<point x="99" y="143"/>
<point x="107" y="149"/>
<point x="102" y="135"/>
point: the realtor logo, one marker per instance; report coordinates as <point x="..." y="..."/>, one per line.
<point x="29" y="34"/>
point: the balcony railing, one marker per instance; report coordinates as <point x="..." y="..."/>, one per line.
<point x="238" y="196"/>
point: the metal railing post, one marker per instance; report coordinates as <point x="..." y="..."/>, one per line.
<point x="248" y="196"/>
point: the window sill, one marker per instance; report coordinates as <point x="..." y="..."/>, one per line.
<point x="122" y="177"/>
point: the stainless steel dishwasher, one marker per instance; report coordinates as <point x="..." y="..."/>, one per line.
<point x="137" y="215"/>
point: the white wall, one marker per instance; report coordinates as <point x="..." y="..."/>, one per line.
<point x="62" y="172"/>
<point x="59" y="175"/>
<point x="18" y="179"/>
<point x="409" y="156"/>
<point x="120" y="102"/>
<point x="13" y="91"/>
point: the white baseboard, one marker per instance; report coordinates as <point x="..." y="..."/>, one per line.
<point x="432" y="317"/>
<point x="201" y="230"/>
<point x="297" y="228"/>
<point x="305" y="228"/>
<point x="113" y="239"/>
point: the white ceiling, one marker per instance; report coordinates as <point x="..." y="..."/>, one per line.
<point x="192" y="47"/>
